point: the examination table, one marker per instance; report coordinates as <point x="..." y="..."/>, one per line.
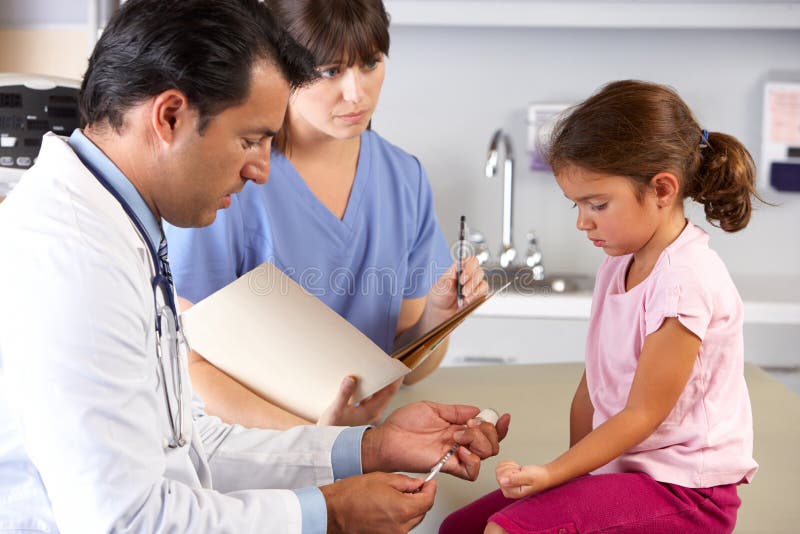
<point x="538" y="398"/>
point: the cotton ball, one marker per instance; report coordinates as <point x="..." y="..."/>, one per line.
<point x="488" y="415"/>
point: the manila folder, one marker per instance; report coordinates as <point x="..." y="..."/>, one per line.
<point x="285" y="344"/>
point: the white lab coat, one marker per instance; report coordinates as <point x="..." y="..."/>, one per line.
<point x="83" y="421"/>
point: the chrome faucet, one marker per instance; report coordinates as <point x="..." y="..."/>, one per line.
<point x="533" y="257"/>
<point x="477" y="246"/>
<point x="507" y="251"/>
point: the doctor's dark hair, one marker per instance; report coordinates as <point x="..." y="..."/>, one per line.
<point x="204" y="48"/>
<point x="638" y="129"/>
<point x="334" y="30"/>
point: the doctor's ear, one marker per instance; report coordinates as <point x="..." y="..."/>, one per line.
<point x="170" y="113"/>
<point x="666" y="186"/>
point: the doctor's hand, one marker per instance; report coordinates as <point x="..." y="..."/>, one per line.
<point x="342" y="412"/>
<point x="377" y="503"/>
<point x="413" y="438"/>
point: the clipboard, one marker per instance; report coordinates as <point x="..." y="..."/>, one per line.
<point x="415" y="352"/>
<point x="287" y="346"/>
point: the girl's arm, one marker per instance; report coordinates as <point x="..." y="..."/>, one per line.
<point x="581" y="413"/>
<point x="664" y="367"/>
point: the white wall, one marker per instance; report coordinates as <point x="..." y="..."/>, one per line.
<point x="447" y="89"/>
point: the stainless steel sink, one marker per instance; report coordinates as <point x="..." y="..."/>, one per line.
<point x="524" y="282"/>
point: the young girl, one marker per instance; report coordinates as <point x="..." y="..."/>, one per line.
<point x="345" y="213"/>
<point x="660" y="425"/>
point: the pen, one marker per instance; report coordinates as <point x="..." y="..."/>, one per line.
<point x="459" y="286"/>
<point x="488" y="415"/>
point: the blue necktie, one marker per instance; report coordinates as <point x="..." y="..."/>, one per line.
<point x="162" y="255"/>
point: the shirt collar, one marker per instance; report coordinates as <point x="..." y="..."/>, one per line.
<point x="100" y="163"/>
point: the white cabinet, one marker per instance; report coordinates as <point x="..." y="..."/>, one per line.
<point x="512" y="329"/>
<point x="502" y="340"/>
<point x="753" y="14"/>
<point x="486" y="340"/>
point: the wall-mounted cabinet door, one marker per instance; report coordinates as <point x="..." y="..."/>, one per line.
<point x="761" y="14"/>
<point x="26" y="13"/>
<point x="48" y="13"/>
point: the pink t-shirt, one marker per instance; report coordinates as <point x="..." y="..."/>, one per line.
<point x="707" y="439"/>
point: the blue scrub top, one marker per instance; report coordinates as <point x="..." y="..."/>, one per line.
<point x="387" y="247"/>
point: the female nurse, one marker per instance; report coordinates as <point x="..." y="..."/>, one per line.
<point x="345" y="213"/>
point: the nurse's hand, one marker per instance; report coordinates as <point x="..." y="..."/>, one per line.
<point x="381" y="503"/>
<point x="415" y="437"/>
<point x="442" y="301"/>
<point x="342" y="412"/>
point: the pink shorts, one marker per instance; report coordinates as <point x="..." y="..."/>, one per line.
<point x="618" y="503"/>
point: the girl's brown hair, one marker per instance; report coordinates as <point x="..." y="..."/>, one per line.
<point x="334" y="30"/>
<point x="638" y="129"/>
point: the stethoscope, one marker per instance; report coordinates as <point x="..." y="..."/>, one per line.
<point x="167" y="318"/>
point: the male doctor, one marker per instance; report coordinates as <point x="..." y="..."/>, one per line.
<point x="98" y="431"/>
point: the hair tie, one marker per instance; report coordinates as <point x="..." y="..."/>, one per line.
<point x="704" y="140"/>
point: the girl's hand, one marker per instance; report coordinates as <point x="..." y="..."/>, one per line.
<point x="517" y="481"/>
